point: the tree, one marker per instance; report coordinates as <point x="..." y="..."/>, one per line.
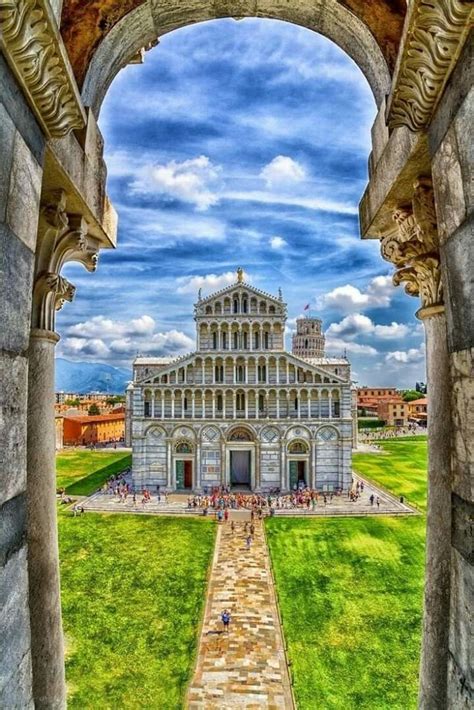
<point x="410" y="395"/>
<point x="94" y="409"/>
<point x="72" y="402"/>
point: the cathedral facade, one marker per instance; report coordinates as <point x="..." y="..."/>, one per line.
<point x="240" y="411"/>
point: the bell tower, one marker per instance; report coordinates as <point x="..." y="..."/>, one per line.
<point x="308" y="341"/>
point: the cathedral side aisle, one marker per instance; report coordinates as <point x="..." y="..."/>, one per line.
<point x="240" y="411"/>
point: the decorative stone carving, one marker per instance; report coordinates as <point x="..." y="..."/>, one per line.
<point x="413" y="247"/>
<point x="61" y="238"/>
<point x="435" y="34"/>
<point x="33" y="48"/>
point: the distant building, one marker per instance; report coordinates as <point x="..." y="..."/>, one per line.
<point x="368" y="398"/>
<point x="94" y="429"/>
<point x="241" y="410"/>
<point x="394" y="412"/>
<point x="419" y="411"/>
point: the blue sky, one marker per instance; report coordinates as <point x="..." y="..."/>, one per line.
<point x="240" y="143"/>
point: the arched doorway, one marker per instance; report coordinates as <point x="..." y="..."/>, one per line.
<point x="240" y="457"/>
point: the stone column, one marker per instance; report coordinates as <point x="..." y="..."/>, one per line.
<point x="414" y="250"/>
<point x="44" y="587"/>
<point x="172" y="403"/>
<point x="61" y="238"/>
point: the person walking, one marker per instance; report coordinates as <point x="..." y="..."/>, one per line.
<point x="232" y="526"/>
<point x="378" y="502"/>
<point x="248" y="542"/>
<point x="226" y="514"/>
<point x="372" y="498"/>
<point x="225" y="616"/>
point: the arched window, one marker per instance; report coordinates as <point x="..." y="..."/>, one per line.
<point x="240" y="434"/>
<point x="296" y="403"/>
<point x="240" y="373"/>
<point x="236" y="305"/>
<point x="214" y="340"/>
<point x="297" y="447"/>
<point x="240" y="401"/>
<point x="271" y="309"/>
<point x="208" y="310"/>
<point x="236" y="341"/>
<point x="185" y="403"/>
<point x="257" y="340"/>
<point x="261" y="402"/>
<point x="184" y="447"/>
<point x="266" y="340"/>
<point x="262" y="373"/>
<point x="306" y="343"/>
<point x="224" y="340"/>
<point x="220" y="403"/>
<point x="244" y="305"/>
<point x="245" y="340"/>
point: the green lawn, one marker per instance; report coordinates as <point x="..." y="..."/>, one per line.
<point x="133" y="589"/>
<point x="81" y="471"/>
<point x="400" y="467"/>
<point x="350" y="593"/>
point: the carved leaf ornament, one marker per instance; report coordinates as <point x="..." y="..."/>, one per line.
<point x="436" y="33"/>
<point x="32" y="48"/>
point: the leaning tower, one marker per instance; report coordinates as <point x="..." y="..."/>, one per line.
<point x="308" y="341"/>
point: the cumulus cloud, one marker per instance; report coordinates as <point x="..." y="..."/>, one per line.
<point x="357" y="324"/>
<point x="189" y="180"/>
<point x="349" y="298"/>
<point x="282" y="170"/>
<point x="337" y="346"/>
<point x="406" y="357"/>
<point x="278" y="243"/>
<point x="208" y="282"/>
<point x="106" y="339"/>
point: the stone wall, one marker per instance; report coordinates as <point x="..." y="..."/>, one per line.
<point x="22" y="149"/>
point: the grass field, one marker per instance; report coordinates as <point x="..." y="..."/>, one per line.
<point x="350" y="593"/>
<point x="400" y="467"/>
<point x="81" y="471"/>
<point x="133" y="590"/>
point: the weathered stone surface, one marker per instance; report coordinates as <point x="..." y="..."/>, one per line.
<point x="12" y="528"/>
<point x="459" y="85"/>
<point x="463" y="528"/>
<point x="457" y="259"/>
<point x="462" y="378"/>
<point x="13" y="376"/>
<point x="15" y="660"/>
<point x="448" y="186"/>
<point x="24" y="193"/>
<point x="16" y="281"/>
<point x="464" y="128"/>
<point x="7" y="138"/>
<point x="461" y="668"/>
<point x="20" y="113"/>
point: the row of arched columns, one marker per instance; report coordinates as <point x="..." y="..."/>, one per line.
<point x="240" y="303"/>
<point x="240" y="369"/>
<point x="246" y="403"/>
<point x="239" y="336"/>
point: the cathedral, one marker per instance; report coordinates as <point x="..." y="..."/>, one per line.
<point x="240" y="410"/>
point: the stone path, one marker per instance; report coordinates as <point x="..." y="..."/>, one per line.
<point x="246" y="667"/>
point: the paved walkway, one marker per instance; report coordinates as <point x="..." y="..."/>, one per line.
<point x="246" y="667"/>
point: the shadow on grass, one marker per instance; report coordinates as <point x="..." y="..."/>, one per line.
<point x="89" y="484"/>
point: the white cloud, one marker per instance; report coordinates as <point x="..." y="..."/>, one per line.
<point x="208" y="282"/>
<point x="189" y="180"/>
<point x="278" y="243"/>
<point x="406" y="356"/>
<point x="357" y="324"/>
<point x="337" y="346"/>
<point x="282" y="170"/>
<point x="310" y="203"/>
<point x="103" y="338"/>
<point x="349" y="298"/>
<point x="99" y="326"/>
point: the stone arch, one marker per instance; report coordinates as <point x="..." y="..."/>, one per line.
<point x="298" y="432"/>
<point x="142" y="26"/>
<point x="241" y="430"/>
<point x="298" y="446"/>
<point x="327" y="433"/>
<point x="156" y="431"/>
<point x="184" y="446"/>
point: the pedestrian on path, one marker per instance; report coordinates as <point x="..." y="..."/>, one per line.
<point x="226" y="514"/>
<point x="232" y="526"/>
<point x="378" y="502"/>
<point x="225" y="616"/>
<point x="249" y="541"/>
<point x="252" y="529"/>
<point x="372" y="498"/>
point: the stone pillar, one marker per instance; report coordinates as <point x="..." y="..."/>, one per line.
<point x="414" y="250"/>
<point x="49" y="685"/>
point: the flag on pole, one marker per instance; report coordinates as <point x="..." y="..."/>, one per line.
<point x="306" y="308"/>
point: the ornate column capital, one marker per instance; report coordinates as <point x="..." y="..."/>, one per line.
<point x="62" y="237"/>
<point x="412" y="247"/>
<point x="32" y="45"/>
<point x="434" y="35"/>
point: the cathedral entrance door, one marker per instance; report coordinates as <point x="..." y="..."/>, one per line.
<point x="297" y="473"/>
<point x="240" y="468"/>
<point x="188" y="474"/>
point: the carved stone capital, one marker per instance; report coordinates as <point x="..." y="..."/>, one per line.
<point x="62" y="237"/>
<point x="412" y="247"/>
<point x="31" y="43"/>
<point x="434" y="35"/>
<point x="49" y="294"/>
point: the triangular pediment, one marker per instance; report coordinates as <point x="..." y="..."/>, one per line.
<point x="236" y="288"/>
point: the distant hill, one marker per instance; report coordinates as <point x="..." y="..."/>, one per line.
<point x="83" y="377"/>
